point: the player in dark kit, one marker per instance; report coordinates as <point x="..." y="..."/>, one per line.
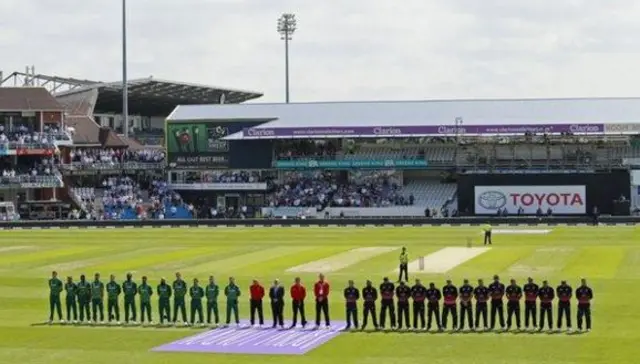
<point x="387" y="289"/>
<point x="370" y="296"/>
<point x="113" y="293"/>
<point x="514" y="294"/>
<point x="164" y="306"/>
<point x="55" y="288"/>
<point x="276" y="295"/>
<point x="196" y="293"/>
<point x="450" y="294"/>
<point x="466" y="293"/>
<point x="403" y="292"/>
<point x="546" y="295"/>
<point x="71" y="302"/>
<point x="481" y="294"/>
<point x="418" y="293"/>
<point x="84" y="297"/>
<point x="130" y="290"/>
<point x="530" y="298"/>
<point x="564" y="293"/>
<point x="97" y="299"/>
<point x="584" y="295"/>
<point x="433" y="305"/>
<point x="211" y="292"/>
<point x="351" y="296"/>
<point x="179" y="291"/>
<point x="496" y="291"/>
<point x="145" y="292"/>
<point x="298" y="294"/>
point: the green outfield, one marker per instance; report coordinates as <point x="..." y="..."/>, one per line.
<point x="609" y="257"/>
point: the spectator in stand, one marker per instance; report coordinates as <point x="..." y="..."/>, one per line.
<point x="110" y="157"/>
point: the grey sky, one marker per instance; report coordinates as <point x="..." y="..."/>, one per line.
<point x="343" y="50"/>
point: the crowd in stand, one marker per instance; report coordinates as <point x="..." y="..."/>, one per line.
<point x="322" y="189"/>
<point x="23" y="135"/>
<point x="109" y="157"/>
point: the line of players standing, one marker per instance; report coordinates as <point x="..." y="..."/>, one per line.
<point x="484" y="296"/>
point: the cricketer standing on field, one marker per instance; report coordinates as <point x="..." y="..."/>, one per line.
<point x="546" y="295"/>
<point x="179" y="291"/>
<point x="387" y="289"/>
<point x="321" y="291"/>
<point x="164" y="305"/>
<point x="196" y="293"/>
<point x="487" y="234"/>
<point x="564" y="293"/>
<point x="530" y="298"/>
<point x="514" y="294"/>
<point x="369" y="295"/>
<point x="256" y="294"/>
<point x="466" y="293"/>
<point x="232" y="292"/>
<point x="145" y="291"/>
<point x="71" y="303"/>
<point x="130" y="289"/>
<point x="584" y="294"/>
<point x="450" y="293"/>
<point x="404" y="265"/>
<point x="433" y="306"/>
<point x="403" y="292"/>
<point x="496" y="290"/>
<point x="212" y="291"/>
<point x="481" y="294"/>
<point x="113" y="294"/>
<point x="97" y="298"/>
<point x="418" y="293"/>
<point x="351" y="296"/>
<point x="84" y="296"/>
<point x="55" y="289"/>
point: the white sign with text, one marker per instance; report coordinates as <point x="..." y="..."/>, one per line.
<point x="562" y="200"/>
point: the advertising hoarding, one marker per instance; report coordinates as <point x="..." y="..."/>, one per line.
<point x="563" y="200"/>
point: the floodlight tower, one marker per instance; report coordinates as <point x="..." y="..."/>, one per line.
<point x="287" y="25"/>
<point x="125" y="88"/>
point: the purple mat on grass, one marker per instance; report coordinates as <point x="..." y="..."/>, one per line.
<point x="249" y="340"/>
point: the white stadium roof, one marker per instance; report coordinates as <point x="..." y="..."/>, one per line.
<point x="414" y="113"/>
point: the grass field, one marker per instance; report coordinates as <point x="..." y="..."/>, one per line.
<point x="609" y="257"/>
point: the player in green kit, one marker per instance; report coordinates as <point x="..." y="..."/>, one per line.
<point x="179" y="291"/>
<point x="71" y="303"/>
<point x="130" y="289"/>
<point x="232" y="292"/>
<point x="97" y="299"/>
<point x="212" y="292"/>
<point x="84" y="297"/>
<point x="196" y="292"/>
<point x="145" y="292"/>
<point x="55" y="288"/>
<point x="113" y="293"/>
<point x="164" y="294"/>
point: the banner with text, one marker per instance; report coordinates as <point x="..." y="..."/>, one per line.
<point x="563" y="200"/>
<point x="631" y="128"/>
<point x="400" y="131"/>
<point x="220" y="186"/>
<point x="355" y="163"/>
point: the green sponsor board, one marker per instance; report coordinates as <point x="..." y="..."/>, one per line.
<point x="355" y="163"/>
<point x="197" y="145"/>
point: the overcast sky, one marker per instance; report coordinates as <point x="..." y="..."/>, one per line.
<point x="343" y="50"/>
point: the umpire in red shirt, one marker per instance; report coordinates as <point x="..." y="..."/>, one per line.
<point x="321" y="291"/>
<point x="257" y="294"/>
<point x="298" y="294"/>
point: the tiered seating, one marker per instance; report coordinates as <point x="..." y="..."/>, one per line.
<point x="384" y="152"/>
<point x="430" y="194"/>
<point x="440" y="153"/>
<point x="85" y="196"/>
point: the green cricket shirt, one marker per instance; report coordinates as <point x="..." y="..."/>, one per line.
<point x="55" y="286"/>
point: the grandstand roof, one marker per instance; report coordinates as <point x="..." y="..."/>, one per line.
<point x="156" y="97"/>
<point x="27" y="99"/>
<point x="419" y="113"/>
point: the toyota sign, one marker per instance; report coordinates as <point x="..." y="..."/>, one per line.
<point x="562" y="200"/>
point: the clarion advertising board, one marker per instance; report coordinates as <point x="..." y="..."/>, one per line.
<point x="563" y="200"/>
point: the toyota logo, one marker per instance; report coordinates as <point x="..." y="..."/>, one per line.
<point x="492" y="200"/>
